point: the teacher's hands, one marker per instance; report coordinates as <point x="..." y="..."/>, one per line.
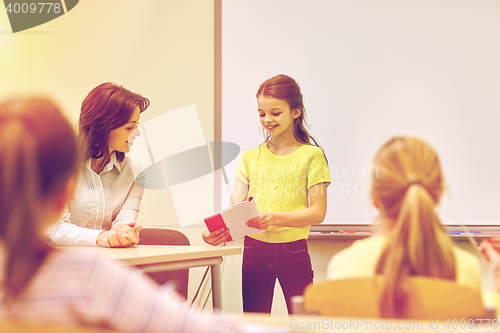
<point x="120" y="235"/>
<point x="215" y="238"/>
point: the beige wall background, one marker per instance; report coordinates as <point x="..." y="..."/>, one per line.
<point x="163" y="50"/>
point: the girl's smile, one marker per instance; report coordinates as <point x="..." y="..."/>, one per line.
<point x="276" y="116"/>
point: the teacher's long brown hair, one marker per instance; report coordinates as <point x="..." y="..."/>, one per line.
<point x="106" y="107"/>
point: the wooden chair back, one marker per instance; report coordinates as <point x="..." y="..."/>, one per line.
<point x="428" y="298"/>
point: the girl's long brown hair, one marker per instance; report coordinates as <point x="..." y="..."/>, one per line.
<point x="285" y="88"/>
<point x="407" y="182"/>
<point x="38" y="156"/>
<point x="106" y="107"/>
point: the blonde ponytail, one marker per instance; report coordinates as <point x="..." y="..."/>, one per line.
<point x="408" y="187"/>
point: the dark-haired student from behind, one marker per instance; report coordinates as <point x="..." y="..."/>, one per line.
<point x="67" y="286"/>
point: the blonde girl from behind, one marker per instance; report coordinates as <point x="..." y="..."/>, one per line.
<point x="407" y="183"/>
<point x="408" y="188"/>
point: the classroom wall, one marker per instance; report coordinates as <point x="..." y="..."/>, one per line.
<point x="163" y="50"/>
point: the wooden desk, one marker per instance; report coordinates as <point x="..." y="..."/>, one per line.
<point x="156" y="258"/>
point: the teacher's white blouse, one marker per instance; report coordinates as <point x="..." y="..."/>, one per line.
<point x="100" y="201"/>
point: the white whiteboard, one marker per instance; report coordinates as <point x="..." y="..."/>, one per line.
<point x="370" y="70"/>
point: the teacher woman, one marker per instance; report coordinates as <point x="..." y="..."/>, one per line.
<point x="104" y="209"/>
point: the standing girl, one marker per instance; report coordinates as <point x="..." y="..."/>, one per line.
<point x="287" y="176"/>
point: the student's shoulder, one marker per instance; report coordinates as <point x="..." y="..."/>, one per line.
<point x="468" y="269"/>
<point x="361" y="248"/>
<point x="367" y="244"/>
<point x="464" y="258"/>
<point x="358" y="260"/>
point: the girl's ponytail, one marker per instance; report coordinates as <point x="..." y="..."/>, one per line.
<point x="408" y="188"/>
<point x="18" y="206"/>
<point x="38" y="156"/>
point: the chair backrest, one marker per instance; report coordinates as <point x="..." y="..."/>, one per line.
<point x="428" y="298"/>
<point x="160" y="236"/>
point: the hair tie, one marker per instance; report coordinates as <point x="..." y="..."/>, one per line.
<point x="414" y="182"/>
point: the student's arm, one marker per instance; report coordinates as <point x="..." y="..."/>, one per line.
<point x="490" y="253"/>
<point x="240" y="193"/>
<point x="127" y="302"/>
<point x="314" y="214"/>
<point x="489" y="249"/>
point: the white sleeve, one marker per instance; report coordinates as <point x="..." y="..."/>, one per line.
<point x="63" y="232"/>
<point x="130" y="209"/>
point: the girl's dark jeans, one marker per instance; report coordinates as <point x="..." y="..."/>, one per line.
<point x="264" y="262"/>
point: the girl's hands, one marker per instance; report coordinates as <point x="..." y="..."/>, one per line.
<point x="215" y="238"/>
<point x="263" y="221"/>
